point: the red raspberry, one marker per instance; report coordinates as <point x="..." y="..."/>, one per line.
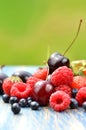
<point x="20" y="90"/>
<point x="64" y="88"/>
<point x="41" y="73"/>
<point x="8" y="82"/>
<point x="62" y="76"/>
<point x="32" y="80"/>
<point x="59" y="101"/>
<point x="78" y="82"/>
<point x="81" y="95"/>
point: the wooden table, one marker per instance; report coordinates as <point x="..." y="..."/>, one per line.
<point x="43" y="119"/>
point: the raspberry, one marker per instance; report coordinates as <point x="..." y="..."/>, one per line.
<point x="81" y="95"/>
<point x="32" y="80"/>
<point x="59" y="101"/>
<point x="62" y="76"/>
<point x="78" y="82"/>
<point x="41" y="73"/>
<point x="8" y="82"/>
<point x="20" y="90"/>
<point x="64" y="88"/>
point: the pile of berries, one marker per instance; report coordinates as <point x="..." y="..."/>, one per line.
<point x="58" y="87"/>
<point x="55" y="85"/>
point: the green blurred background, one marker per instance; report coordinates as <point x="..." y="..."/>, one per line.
<point x="30" y="30"/>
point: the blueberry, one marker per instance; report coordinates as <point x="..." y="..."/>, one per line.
<point x="29" y="102"/>
<point x="74" y="92"/>
<point x="13" y="100"/>
<point x="74" y="103"/>
<point x="15" y="108"/>
<point x="30" y="98"/>
<point x="23" y="102"/>
<point x="84" y="106"/>
<point x="5" y="98"/>
<point x="22" y="74"/>
<point x="34" y="105"/>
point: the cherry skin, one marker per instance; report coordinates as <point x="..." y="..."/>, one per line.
<point x="42" y="91"/>
<point x="2" y="77"/>
<point x="56" y="60"/>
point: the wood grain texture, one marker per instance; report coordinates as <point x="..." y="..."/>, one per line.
<point x="43" y="119"/>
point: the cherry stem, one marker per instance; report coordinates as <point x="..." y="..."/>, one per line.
<point x="74" y="38"/>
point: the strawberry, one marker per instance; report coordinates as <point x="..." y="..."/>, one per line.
<point x="84" y="72"/>
<point x="81" y="96"/>
<point x="79" y="82"/>
<point x="41" y="73"/>
<point x="8" y="82"/>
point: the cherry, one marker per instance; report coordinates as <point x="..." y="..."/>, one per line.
<point x="56" y="59"/>
<point x="42" y="91"/>
<point x="2" y="77"/>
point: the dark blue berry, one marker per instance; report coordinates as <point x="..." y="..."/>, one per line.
<point x="30" y="98"/>
<point x="84" y="106"/>
<point x="74" y="103"/>
<point x="2" y="77"/>
<point x="5" y="98"/>
<point x="29" y="102"/>
<point x="34" y="105"/>
<point x="13" y="100"/>
<point x="23" y="102"/>
<point x="74" y="92"/>
<point x="22" y="74"/>
<point x="15" y="108"/>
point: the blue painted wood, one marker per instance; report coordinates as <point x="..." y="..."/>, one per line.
<point x="43" y="119"/>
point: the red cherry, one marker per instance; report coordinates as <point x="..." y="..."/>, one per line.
<point x="42" y="91"/>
